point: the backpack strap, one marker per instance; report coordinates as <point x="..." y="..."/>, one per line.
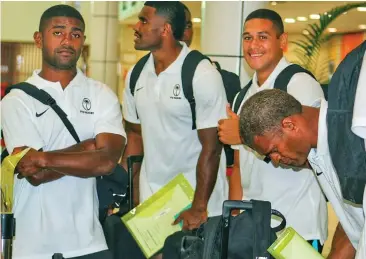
<point x="46" y="99"/>
<point x="188" y="69"/>
<point x="136" y="71"/>
<point x="261" y="215"/>
<point x="285" y="76"/>
<point x="239" y="99"/>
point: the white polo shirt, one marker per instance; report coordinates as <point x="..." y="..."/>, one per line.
<point x="350" y="216"/>
<point x="296" y="194"/>
<point x="60" y="216"/>
<point x="170" y="145"/>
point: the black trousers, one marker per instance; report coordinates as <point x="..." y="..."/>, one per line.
<point x="119" y="240"/>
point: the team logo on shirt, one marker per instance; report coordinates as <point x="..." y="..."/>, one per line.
<point x="176" y="92"/>
<point x="86" y="104"/>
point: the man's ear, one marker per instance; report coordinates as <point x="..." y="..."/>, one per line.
<point x="289" y="124"/>
<point x="167" y="29"/>
<point x="283" y="40"/>
<point x="37" y="36"/>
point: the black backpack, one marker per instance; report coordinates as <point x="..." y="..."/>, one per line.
<point x="281" y="83"/>
<point x="246" y="236"/>
<point x="231" y="83"/>
<point x="112" y="189"/>
<point x="347" y="149"/>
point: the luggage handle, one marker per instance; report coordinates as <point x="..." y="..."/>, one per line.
<point x="230" y="205"/>
<point x="131" y="160"/>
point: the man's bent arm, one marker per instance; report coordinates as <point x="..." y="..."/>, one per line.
<point x="342" y="247"/>
<point x="207" y="167"/>
<point x="101" y="161"/>
<point x="48" y="175"/>
<point x="134" y="147"/>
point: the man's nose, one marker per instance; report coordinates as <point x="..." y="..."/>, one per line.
<point x="276" y="158"/>
<point x="67" y="39"/>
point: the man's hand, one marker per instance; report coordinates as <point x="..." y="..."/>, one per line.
<point x="229" y="128"/>
<point x="192" y="218"/>
<point x="30" y="164"/>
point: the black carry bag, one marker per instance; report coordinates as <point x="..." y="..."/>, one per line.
<point x="246" y="236"/>
<point x="112" y="188"/>
<point x="113" y="225"/>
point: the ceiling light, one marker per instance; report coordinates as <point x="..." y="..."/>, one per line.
<point x="361" y="9"/>
<point x="302" y="19"/>
<point x="290" y="20"/>
<point x="273" y="3"/>
<point x="305" y="32"/>
<point x="332" y="29"/>
<point x="362" y="26"/>
<point x="314" y="16"/>
<point x="325" y="13"/>
<point x="196" y="20"/>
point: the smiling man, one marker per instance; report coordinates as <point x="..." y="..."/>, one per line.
<point x="296" y="195"/>
<point x="55" y="198"/>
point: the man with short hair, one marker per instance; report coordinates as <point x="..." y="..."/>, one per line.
<point x="275" y="124"/>
<point x="159" y="116"/>
<point x="55" y="198"/>
<point x="297" y="196"/>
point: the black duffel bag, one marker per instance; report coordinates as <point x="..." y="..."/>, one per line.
<point x="246" y="236"/>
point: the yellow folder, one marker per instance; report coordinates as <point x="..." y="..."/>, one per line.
<point x="150" y="223"/>
<point x="290" y="245"/>
<point x="7" y="180"/>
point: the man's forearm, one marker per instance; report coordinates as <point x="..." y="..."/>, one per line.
<point x="207" y="168"/>
<point x="342" y="247"/>
<point x="88" y="163"/>
<point x="48" y="175"/>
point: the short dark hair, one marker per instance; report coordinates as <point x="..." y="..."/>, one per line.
<point x="264" y="112"/>
<point x="268" y="14"/>
<point x="186" y="8"/>
<point x="173" y="12"/>
<point x="59" y="10"/>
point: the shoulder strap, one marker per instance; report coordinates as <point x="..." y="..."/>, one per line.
<point x="188" y="69"/>
<point x="261" y="215"/>
<point x="239" y="99"/>
<point x="285" y="76"/>
<point x="136" y="71"/>
<point x="46" y="99"/>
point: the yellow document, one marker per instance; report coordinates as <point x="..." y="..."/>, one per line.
<point x="7" y="180"/>
<point x="290" y="245"/>
<point x="150" y="223"/>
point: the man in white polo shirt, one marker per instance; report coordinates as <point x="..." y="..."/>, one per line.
<point x="296" y="195"/>
<point x="275" y="124"/>
<point x="160" y="114"/>
<point x="55" y="199"/>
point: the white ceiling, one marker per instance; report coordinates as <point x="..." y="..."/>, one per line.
<point x="348" y="22"/>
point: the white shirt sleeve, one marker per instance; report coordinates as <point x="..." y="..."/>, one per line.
<point x="18" y="127"/>
<point x="128" y="104"/>
<point x="359" y="110"/>
<point x="109" y="118"/>
<point x="305" y="89"/>
<point x="361" y="250"/>
<point x="209" y="93"/>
